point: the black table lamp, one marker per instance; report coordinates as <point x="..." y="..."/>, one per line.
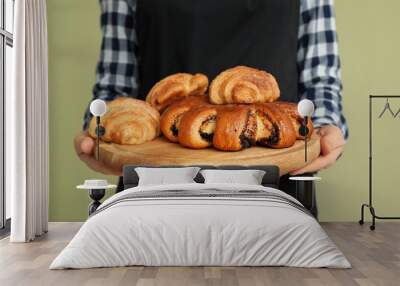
<point x="306" y="109"/>
<point x="98" y="108"/>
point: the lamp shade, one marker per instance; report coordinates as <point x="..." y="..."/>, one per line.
<point x="98" y="107"/>
<point x="305" y="108"/>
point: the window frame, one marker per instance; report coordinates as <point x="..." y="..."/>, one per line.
<point x="6" y="39"/>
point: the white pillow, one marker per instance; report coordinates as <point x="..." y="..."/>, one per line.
<point x="166" y="176"/>
<point x="247" y="177"/>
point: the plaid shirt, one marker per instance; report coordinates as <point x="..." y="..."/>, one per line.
<point x="317" y="58"/>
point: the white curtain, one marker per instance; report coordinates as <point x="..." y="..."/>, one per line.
<point x="27" y="123"/>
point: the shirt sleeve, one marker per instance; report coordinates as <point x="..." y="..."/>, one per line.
<point x="319" y="63"/>
<point x="116" y="73"/>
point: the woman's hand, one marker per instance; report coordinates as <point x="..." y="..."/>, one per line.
<point x="332" y="144"/>
<point x="84" y="147"/>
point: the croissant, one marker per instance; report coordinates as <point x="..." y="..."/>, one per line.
<point x="171" y="118"/>
<point x="175" y="87"/>
<point x="297" y="121"/>
<point x="197" y="127"/>
<point x="243" y="85"/>
<point x="128" y="121"/>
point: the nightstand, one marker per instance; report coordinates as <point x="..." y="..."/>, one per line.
<point x="305" y="183"/>
<point x="97" y="190"/>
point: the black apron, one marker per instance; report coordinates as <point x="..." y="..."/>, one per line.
<point x="209" y="36"/>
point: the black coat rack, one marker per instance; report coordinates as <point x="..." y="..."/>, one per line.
<point x="370" y="200"/>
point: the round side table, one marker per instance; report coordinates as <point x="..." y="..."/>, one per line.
<point x="97" y="190"/>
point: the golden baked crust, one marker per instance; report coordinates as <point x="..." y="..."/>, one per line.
<point x="171" y="117"/>
<point x="197" y="126"/>
<point x="290" y="109"/>
<point x="128" y="121"/>
<point x="274" y="128"/>
<point x="175" y="87"/>
<point x="132" y="103"/>
<point x="244" y="113"/>
<point x="243" y="85"/>
<point x="230" y="127"/>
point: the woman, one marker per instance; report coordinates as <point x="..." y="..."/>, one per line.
<point x="146" y="40"/>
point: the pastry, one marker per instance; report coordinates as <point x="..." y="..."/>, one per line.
<point x="274" y="127"/>
<point x="171" y="117"/>
<point x="195" y="124"/>
<point x="243" y="85"/>
<point x="197" y="127"/>
<point x="176" y="87"/>
<point x="230" y="128"/>
<point x="128" y="121"/>
<point x="239" y="112"/>
<point x="291" y="109"/>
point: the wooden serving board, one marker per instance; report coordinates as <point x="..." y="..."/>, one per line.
<point x="161" y="152"/>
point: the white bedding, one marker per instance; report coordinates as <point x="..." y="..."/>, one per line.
<point x="183" y="231"/>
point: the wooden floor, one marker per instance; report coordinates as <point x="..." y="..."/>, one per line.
<point x="375" y="257"/>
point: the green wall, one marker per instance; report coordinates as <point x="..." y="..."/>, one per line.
<point x="370" y="51"/>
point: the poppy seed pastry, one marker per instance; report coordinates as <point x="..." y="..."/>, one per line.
<point x="197" y="127"/>
<point x="274" y="128"/>
<point x="171" y="117"/>
<point x="231" y="127"/>
<point x="291" y="109"/>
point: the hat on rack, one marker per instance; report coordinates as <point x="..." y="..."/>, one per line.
<point x="95" y="185"/>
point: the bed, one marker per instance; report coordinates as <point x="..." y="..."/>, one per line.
<point x="201" y="224"/>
